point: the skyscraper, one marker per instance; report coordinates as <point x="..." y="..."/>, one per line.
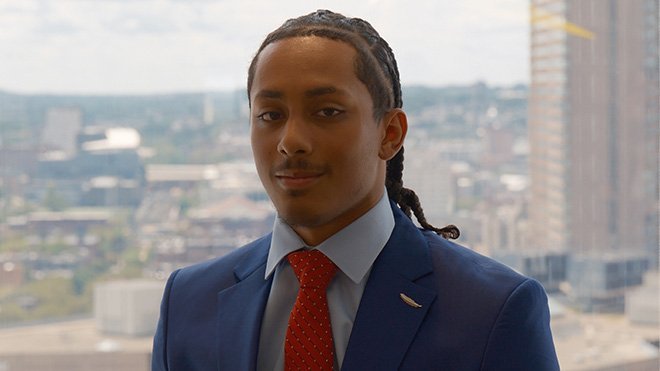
<point x="594" y="125"/>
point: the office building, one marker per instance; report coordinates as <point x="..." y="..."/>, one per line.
<point x="593" y="126"/>
<point x="128" y="307"/>
<point x="61" y="127"/>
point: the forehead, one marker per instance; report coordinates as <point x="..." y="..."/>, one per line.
<point x="308" y="60"/>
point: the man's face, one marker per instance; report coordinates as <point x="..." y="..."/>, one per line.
<point x="315" y="141"/>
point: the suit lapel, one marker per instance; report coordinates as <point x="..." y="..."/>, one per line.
<point x="385" y="324"/>
<point x="241" y="309"/>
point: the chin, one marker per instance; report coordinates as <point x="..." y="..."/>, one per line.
<point x="300" y="215"/>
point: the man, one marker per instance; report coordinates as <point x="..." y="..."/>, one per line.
<point x="327" y="133"/>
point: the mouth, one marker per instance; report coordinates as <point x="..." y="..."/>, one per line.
<point x="297" y="180"/>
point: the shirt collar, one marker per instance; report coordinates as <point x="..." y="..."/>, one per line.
<point x="353" y="249"/>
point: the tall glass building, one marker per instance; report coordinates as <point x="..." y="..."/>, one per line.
<point x="594" y="125"/>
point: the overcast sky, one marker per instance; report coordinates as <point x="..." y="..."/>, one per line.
<point x="159" y="46"/>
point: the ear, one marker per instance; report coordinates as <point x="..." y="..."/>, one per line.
<point x="394" y="126"/>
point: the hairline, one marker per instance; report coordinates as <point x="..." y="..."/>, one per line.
<point x="357" y="63"/>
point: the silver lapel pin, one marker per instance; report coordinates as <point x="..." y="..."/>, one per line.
<point x="406" y="299"/>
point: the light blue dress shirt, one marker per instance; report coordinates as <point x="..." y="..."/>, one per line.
<point x="353" y="250"/>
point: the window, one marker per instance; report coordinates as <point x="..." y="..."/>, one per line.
<point x="125" y="154"/>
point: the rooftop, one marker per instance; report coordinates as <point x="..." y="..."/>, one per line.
<point x="115" y="138"/>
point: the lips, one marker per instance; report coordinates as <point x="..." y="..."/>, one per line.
<point x="297" y="180"/>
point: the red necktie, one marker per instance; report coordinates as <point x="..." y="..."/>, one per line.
<point x="309" y="343"/>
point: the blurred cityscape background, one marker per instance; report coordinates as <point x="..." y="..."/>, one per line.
<point x="102" y="196"/>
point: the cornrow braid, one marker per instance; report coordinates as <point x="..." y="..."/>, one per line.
<point x="376" y="67"/>
<point x="408" y="200"/>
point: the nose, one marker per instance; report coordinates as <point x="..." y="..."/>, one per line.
<point x="296" y="138"/>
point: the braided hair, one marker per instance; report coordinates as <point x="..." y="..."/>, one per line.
<point x="376" y="67"/>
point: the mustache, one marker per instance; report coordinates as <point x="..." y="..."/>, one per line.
<point x="299" y="165"/>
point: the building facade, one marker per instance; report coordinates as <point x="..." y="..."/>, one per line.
<point x="593" y="125"/>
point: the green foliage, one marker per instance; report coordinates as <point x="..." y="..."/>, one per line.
<point x="129" y="266"/>
<point x="188" y="201"/>
<point x="42" y="299"/>
<point x="55" y="297"/>
<point x="55" y="201"/>
<point x="54" y="248"/>
<point x="87" y="274"/>
<point x="13" y="243"/>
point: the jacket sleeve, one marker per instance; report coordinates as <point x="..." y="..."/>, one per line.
<point x="521" y="338"/>
<point x="159" y="354"/>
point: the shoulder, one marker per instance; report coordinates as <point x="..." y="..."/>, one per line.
<point x="507" y="312"/>
<point x="480" y="286"/>
<point x="457" y="270"/>
<point x="469" y="269"/>
<point x="220" y="272"/>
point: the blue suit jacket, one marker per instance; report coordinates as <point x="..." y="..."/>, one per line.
<point x="476" y="314"/>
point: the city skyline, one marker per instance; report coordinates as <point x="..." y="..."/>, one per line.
<point x="163" y="46"/>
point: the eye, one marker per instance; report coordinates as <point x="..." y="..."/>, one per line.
<point x="329" y="112"/>
<point x="270" y="116"/>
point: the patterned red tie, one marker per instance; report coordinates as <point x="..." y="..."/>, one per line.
<point x="309" y="343"/>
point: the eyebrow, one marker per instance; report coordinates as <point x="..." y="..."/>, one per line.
<point x="311" y="93"/>
<point x="273" y="94"/>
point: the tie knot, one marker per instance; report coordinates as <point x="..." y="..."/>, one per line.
<point x="312" y="268"/>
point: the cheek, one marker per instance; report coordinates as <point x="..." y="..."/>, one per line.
<point x="369" y="147"/>
<point x="261" y="154"/>
<point x="359" y="158"/>
<point x="262" y="141"/>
